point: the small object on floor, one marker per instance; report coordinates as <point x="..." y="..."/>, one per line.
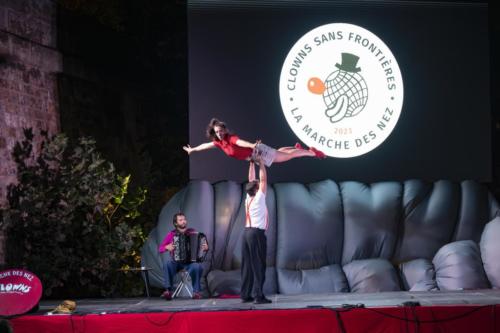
<point x="262" y="300"/>
<point x="167" y="295"/>
<point x="410" y="304"/>
<point x="247" y="300"/>
<point x="66" y="307"/>
<point x="197" y="295"/>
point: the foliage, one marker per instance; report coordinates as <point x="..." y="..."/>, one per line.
<point x="71" y="219"/>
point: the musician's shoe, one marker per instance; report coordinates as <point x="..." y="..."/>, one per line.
<point x="318" y="153"/>
<point x="298" y="146"/>
<point x="247" y="300"/>
<point x="197" y="295"/>
<point x="167" y="295"/>
<point x="262" y="300"/>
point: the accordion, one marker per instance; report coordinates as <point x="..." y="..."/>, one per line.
<point x="188" y="247"/>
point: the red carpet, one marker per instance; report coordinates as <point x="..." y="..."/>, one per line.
<point x="455" y="319"/>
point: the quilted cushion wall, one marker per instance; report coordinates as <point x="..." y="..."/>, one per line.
<point x="314" y="227"/>
<point x="490" y="250"/>
<point x="458" y="266"/>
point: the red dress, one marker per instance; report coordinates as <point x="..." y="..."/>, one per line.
<point x="228" y="146"/>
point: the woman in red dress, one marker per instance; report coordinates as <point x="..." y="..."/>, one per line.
<point x="240" y="149"/>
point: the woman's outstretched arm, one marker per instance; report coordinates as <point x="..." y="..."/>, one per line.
<point x="203" y="146"/>
<point x="246" y="144"/>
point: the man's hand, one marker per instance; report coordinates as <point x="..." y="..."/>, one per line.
<point x="256" y="143"/>
<point x="204" y="247"/>
<point x="188" y="149"/>
<point x="170" y="247"/>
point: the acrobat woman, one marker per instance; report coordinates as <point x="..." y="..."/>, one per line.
<point x="240" y="149"/>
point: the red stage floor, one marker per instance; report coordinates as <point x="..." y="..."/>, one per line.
<point x="457" y="319"/>
<point x="444" y="311"/>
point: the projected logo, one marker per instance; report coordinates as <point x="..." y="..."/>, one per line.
<point x="341" y="90"/>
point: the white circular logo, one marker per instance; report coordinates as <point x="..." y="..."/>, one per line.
<point x="341" y="90"/>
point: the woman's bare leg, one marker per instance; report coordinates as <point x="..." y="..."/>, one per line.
<point x="287" y="149"/>
<point x="282" y="156"/>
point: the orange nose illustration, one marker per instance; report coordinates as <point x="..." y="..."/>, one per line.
<point x="316" y="86"/>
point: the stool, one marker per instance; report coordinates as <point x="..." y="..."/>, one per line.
<point x="144" y="272"/>
<point x="183" y="284"/>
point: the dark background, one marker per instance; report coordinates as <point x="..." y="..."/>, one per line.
<point x="135" y="97"/>
<point x="237" y="49"/>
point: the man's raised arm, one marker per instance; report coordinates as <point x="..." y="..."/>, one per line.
<point x="262" y="177"/>
<point x="251" y="172"/>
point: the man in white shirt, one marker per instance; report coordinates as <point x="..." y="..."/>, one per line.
<point x="254" y="246"/>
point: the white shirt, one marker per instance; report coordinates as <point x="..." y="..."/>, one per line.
<point x="256" y="211"/>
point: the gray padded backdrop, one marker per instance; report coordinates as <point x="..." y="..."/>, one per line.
<point x="458" y="266"/>
<point x="490" y="250"/>
<point x="336" y="237"/>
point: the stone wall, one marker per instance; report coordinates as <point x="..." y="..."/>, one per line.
<point x="29" y="63"/>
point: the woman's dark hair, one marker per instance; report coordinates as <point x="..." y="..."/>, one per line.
<point x="175" y="218"/>
<point x="211" y="131"/>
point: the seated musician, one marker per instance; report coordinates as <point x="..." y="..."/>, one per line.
<point x="171" y="267"/>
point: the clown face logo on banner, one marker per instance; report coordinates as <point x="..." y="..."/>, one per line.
<point x="341" y="90"/>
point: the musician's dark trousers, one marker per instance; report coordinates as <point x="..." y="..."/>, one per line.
<point x="170" y="268"/>
<point x="253" y="263"/>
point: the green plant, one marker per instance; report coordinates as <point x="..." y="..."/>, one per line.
<point x="71" y="219"/>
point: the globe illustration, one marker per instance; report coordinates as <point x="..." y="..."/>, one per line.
<point x="344" y="83"/>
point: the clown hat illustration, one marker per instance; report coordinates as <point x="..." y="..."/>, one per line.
<point x="349" y="62"/>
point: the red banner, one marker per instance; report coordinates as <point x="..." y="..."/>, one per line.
<point x="20" y="291"/>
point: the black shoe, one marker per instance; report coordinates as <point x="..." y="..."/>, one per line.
<point x="262" y="300"/>
<point x="247" y="300"/>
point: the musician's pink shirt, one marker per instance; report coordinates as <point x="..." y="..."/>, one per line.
<point x="170" y="237"/>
